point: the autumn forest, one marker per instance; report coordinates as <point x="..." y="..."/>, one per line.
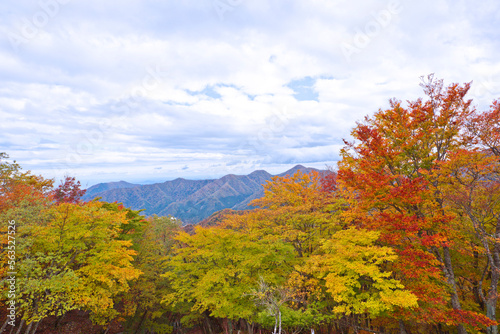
<point x="402" y="236"/>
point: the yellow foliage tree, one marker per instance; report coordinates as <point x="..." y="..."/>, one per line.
<point x="75" y="261"/>
<point x="351" y="269"/>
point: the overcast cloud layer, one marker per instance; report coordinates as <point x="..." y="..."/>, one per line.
<point x="150" y="90"/>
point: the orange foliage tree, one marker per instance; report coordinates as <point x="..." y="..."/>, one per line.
<point x="388" y="173"/>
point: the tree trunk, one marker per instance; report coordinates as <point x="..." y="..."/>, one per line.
<point x="59" y="320"/>
<point x="494" y="260"/>
<point x="329" y="327"/>
<point x="249" y="327"/>
<point x="28" y="330"/>
<point x="20" y="326"/>
<point x="491" y="301"/>
<point x="477" y="284"/>
<point x="36" y="326"/>
<point x="490" y="313"/>
<point x="402" y="329"/>
<point x="4" y="325"/>
<point x="450" y="276"/>
<point x="207" y="321"/>
<point x="140" y="322"/>
<point x="279" y="312"/>
<point x="225" y="326"/>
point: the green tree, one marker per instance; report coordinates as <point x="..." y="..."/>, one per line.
<point x="143" y="301"/>
<point x="75" y="261"/>
<point x="216" y="269"/>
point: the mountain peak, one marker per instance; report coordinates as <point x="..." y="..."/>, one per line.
<point x="91" y="192"/>
<point x="189" y="200"/>
<point x="296" y="168"/>
<point x="259" y="172"/>
<point x="179" y="179"/>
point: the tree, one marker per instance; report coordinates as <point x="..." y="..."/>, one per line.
<point x="388" y="175"/>
<point x="143" y="301"/>
<point x="216" y="268"/>
<point x="75" y="261"/>
<point x="297" y="210"/>
<point x="301" y="212"/>
<point x="471" y="186"/>
<point x="351" y="267"/>
<point x="68" y="191"/>
<point x="272" y="298"/>
<point x="17" y="186"/>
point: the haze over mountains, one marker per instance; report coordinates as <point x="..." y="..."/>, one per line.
<point x="189" y="200"/>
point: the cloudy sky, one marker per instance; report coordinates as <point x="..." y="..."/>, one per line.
<point x="150" y="90"/>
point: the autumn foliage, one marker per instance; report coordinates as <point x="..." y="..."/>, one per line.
<point x="402" y="237"/>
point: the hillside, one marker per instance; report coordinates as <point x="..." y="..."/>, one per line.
<point x="189" y="200"/>
<point x="101" y="187"/>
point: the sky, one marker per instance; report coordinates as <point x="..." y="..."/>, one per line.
<point x="148" y="90"/>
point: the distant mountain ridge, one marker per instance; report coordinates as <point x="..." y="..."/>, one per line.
<point x="189" y="200"/>
<point x="101" y="187"/>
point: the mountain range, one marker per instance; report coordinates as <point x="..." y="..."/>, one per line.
<point x="188" y="200"/>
